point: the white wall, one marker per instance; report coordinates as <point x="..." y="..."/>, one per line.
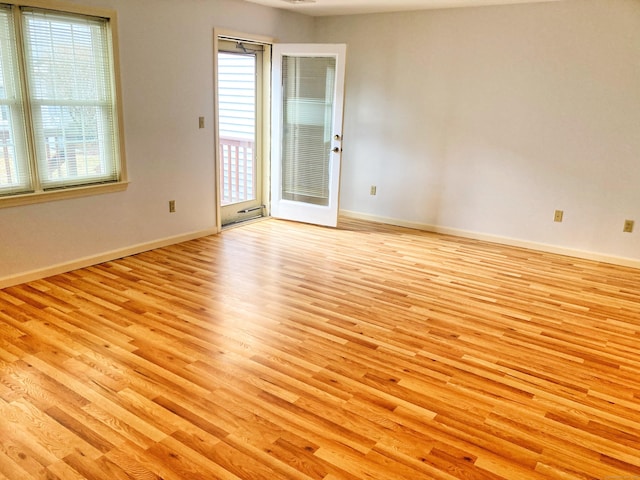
<point x="483" y="120"/>
<point x="486" y="120"/>
<point x="167" y="78"/>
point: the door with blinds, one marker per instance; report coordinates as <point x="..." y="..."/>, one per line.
<point x="307" y="105"/>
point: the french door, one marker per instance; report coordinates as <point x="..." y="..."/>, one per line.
<point x="307" y="106"/>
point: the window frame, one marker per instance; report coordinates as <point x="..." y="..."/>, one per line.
<point x="40" y="195"/>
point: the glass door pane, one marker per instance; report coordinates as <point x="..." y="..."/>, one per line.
<point x="308" y="93"/>
<point x="240" y="129"/>
<point x="237" y="123"/>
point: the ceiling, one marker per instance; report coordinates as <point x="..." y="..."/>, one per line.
<point x="349" y="7"/>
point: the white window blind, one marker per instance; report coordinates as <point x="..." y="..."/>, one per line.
<point x="308" y="85"/>
<point x="58" y="116"/>
<point x="14" y="167"/>
<point x="68" y="70"/>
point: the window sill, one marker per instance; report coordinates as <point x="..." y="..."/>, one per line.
<point x="51" y="196"/>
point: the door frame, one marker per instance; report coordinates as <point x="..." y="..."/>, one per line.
<point x="265" y="124"/>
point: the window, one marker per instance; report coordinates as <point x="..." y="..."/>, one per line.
<point x="59" y="121"/>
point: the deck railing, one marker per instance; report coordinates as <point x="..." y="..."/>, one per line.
<point x="238" y="170"/>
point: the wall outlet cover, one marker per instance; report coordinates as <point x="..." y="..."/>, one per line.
<point x="558" y="216"/>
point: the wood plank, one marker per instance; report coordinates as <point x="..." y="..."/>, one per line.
<point x="284" y="350"/>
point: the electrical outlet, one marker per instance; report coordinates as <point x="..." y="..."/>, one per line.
<point x="373" y="190"/>
<point x="200" y="122"/>
<point x="628" y="226"/>
<point x="558" y="216"/>
<point x="172" y="206"/>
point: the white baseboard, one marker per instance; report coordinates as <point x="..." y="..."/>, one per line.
<point x="143" y="247"/>
<point x="100" y="258"/>
<point x="542" y="247"/>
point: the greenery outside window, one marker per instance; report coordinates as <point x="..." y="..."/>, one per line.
<point x="59" y="116"/>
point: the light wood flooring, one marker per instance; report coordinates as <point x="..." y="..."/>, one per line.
<point x="288" y="351"/>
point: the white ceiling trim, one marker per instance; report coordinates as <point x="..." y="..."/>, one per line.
<point x="352" y="7"/>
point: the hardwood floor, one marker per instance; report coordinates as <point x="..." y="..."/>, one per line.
<point x="287" y="351"/>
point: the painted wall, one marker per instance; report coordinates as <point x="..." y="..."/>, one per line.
<point x="487" y="119"/>
<point x="166" y="50"/>
<point x="480" y="120"/>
